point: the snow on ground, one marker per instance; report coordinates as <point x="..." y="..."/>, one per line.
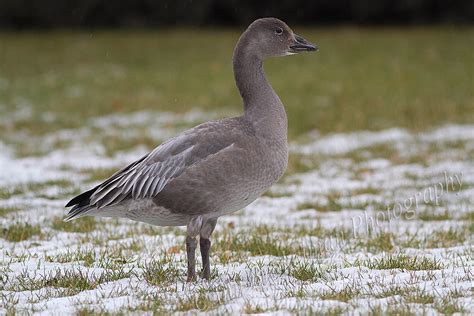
<point x="377" y="221"/>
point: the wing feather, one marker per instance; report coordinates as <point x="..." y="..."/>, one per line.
<point x="148" y="178"/>
<point x="149" y="175"/>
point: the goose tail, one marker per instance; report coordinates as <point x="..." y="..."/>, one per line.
<point x="80" y="205"/>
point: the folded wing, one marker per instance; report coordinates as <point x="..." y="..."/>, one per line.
<point x="146" y="177"/>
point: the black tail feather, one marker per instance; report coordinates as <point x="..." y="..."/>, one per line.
<point x="77" y="211"/>
<point x="82" y="199"/>
<point x="80" y="205"/>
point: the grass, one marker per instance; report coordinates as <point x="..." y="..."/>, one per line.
<point x="5" y="210"/>
<point x="198" y="302"/>
<point x="360" y="79"/>
<point x="469" y="216"/>
<point x="264" y="240"/>
<point x="74" y="280"/>
<point x="419" y="297"/>
<point x="152" y="303"/>
<point x="114" y="257"/>
<point x="398" y="309"/>
<point x="447" y="306"/>
<point x="257" y="244"/>
<point x="160" y="272"/>
<point x="80" y="225"/>
<point x="305" y="271"/>
<point x="447" y="238"/>
<point x="99" y="174"/>
<point x="381" y="242"/>
<point x="253" y="309"/>
<point x="332" y="204"/>
<point x="114" y="144"/>
<point x="431" y="216"/>
<point x="408" y="294"/>
<point x="320" y="231"/>
<point x="6" y="193"/>
<point x="86" y="311"/>
<point x="403" y="262"/>
<point x="344" y="295"/>
<point x="87" y="256"/>
<point x="19" y="232"/>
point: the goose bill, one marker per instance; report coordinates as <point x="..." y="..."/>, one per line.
<point x="302" y="45"/>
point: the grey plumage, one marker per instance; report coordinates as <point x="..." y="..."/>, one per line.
<point x="212" y="169"/>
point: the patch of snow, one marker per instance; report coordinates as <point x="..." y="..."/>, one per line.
<point x="338" y="144"/>
<point x="362" y="194"/>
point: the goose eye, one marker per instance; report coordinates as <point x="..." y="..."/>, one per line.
<point x="279" y="31"/>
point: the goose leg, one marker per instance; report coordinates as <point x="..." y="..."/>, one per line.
<point x="191" y="254"/>
<point x="193" y="229"/>
<point x="205" y="245"/>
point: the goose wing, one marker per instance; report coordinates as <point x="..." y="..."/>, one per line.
<point x="146" y="177"/>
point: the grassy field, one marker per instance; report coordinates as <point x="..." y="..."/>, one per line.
<point x="374" y="215"/>
<point x="360" y="78"/>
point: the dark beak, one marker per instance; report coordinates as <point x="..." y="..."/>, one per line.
<point x="302" y="45"/>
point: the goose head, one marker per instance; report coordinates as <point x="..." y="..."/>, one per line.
<point x="271" y="37"/>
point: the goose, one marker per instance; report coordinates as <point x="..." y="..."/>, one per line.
<point x="215" y="168"/>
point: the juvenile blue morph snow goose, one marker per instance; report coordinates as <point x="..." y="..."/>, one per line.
<point x="215" y="168"/>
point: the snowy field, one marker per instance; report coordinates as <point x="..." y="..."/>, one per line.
<point x="362" y="222"/>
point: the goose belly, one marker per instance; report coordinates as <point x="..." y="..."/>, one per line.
<point x="144" y="211"/>
<point x="220" y="191"/>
